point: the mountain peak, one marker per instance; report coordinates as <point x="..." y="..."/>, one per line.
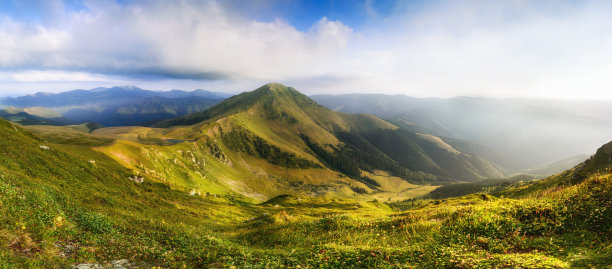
<point x="270" y="96"/>
<point x="274" y="87"/>
<point x="274" y="94"/>
<point x="128" y="87"/>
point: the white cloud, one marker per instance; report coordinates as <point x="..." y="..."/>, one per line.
<point x="171" y="36"/>
<point x="499" y="49"/>
<point x="488" y="48"/>
<point x="33" y="76"/>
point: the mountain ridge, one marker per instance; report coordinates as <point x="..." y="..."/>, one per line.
<point x="109" y="106"/>
<point x="80" y="97"/>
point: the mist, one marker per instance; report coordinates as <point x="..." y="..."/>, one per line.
<point x="524" y="133"/>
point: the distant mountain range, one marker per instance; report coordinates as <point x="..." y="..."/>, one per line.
<point x="116" y="106"/>
<point x="518" y="133"/>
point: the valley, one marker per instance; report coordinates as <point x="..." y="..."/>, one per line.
<point x="517" y="134"/>
<point x="271" y="179"/>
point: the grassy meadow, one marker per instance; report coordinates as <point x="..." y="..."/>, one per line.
<point x="65" y="204"/>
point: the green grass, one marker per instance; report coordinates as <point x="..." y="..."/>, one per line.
<point x="65" y="204"/>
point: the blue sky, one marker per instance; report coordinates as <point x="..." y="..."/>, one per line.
<point x="531" y="49"/>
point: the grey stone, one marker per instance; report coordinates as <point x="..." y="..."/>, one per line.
<point x="87" y="266"/>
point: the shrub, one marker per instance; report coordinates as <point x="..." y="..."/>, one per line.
<point x="93" y="222"/>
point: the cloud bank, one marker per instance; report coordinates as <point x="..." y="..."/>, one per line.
<point x="444" y="48"/>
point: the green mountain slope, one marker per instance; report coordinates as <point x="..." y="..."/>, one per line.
<point x="348" y="143"/>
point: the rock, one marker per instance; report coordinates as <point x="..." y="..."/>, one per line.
<point x="87" y="266"/>
<point x="66" y="249"/>
<point x="116" y="264"/>
<point x="121" y="264"/>
<point x="137" y="179"/>
<point x="44" y="147"/>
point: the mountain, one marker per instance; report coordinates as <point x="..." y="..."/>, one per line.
<point x="348" y="143"/>
<point x="116" y="106"/>
<point x="524" y="133"/>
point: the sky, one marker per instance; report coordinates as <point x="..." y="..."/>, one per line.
<point x="502" y="49"/>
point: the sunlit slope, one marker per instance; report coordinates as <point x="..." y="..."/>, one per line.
<point x="63" y="204"/>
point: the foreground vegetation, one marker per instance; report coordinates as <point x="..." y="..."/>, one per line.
<point x="66" y="204"/>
